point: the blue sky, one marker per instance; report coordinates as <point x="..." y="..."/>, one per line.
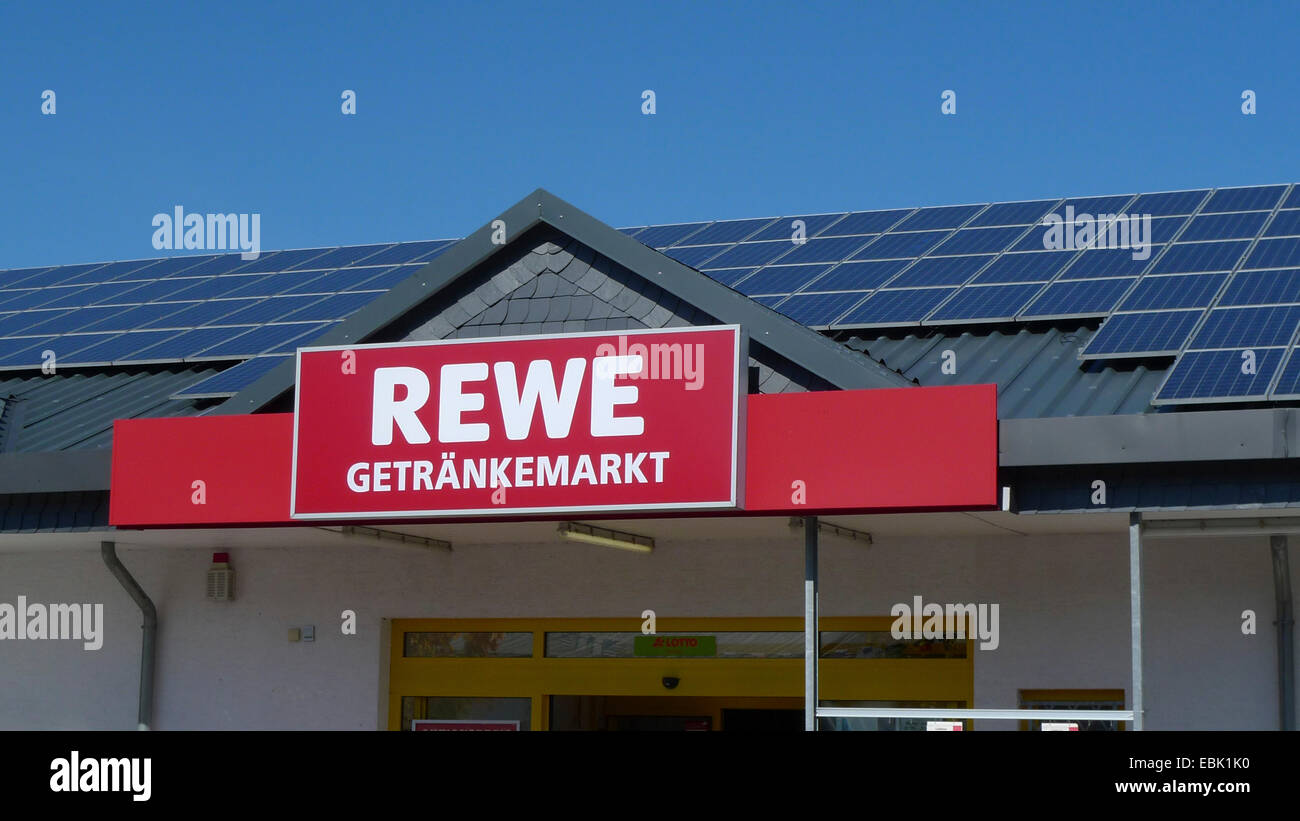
<point x="763" y="109"/>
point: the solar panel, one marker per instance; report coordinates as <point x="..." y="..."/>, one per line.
<point x="1094" y="206"/>
<point x="988" y="303"/>
<point x="752" y="253"/>
<point x="60" y="275"/>
<point x="1275" y="253"/>
<point x="270" y="310"/>
<point x="385" y="279"/>
<point x="865" y="222"/>
<point x="200" y="313"/>
<point x="308" y="337"/>
<point x="859" y="276"/>
<point x="204" y="287"/>
<point x="27" y="352"/>
<point x="1178" y="291"/>
<point x="1031" y="266"/>
<point x="62" y="322"/>
<point x="340" y="280"/>
<point x="1225" y="226"/>
<point x="1105" y="262"/>
<point x="18" y="276"/>
<point x="695" y="256"/>
<point x="8" y="296"/>
<point x="1284" y="224"/>
<point x="1035" y="240"/>
<point x="781" y="279"/>
<point x="1084" y="297"/>
<point x="110" y="349"/>
<point x="410" y="252"/>
<point x="729" y="232"/>
<point x="825" y="250"/>
<point x="1220" y="375"/>
<point x="114" y="271"/>
<point x="904" y="307"/>
<point x="661" y="236"/>
<point x="1162" y="230"/>
<point x="940" y="271"/>
<point x="139" y="316"/>
<point x="1012" y="213"/>
<point x="37" y="298"/>
<point x="1247" y="327"/>
<point x="269" y="261"/>
<point x="341" y="257"/>
<point x="895" y="246"/>
<point x="978" y="241"/>
<point x="1244" y="199"/>
<point x="16" y="324"/>
<point x="1146" y="334"/>
<point x="275" y="284"/>
<point x="729" y="276"/>
<point x="1292" y="199"/>
<point x="182" y="345"/>
<point x="232" y="380"/>
<point x="261" y="340"/>
<point x="1288" y="383"/>
<point x="338" y="306"/>
<point x="1187" y="258"/>
<point x="947" y="216"/>
<point x="1168" y="202"/>
<point x="1263" y="288"/>
<point x="163" y="290"/>
<point x="784" y="229"/>
<point x="78" y="296"/>
<point x="213" y="266"/>
<point x="818" y="309"/>
<point x="182" y="266"/>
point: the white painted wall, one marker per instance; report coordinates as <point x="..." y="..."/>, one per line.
<point x="1063" y="602"/>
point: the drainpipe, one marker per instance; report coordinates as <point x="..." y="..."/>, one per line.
<point x="1285" y="632"/>
<point x="148" y="649"/>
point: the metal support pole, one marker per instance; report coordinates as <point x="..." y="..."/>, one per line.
<point x="1135" y="611"/>
<point x="810" y="643"/>
<point x="1285" y="633"/>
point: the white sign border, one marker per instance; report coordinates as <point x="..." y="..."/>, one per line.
<point x="738" y="424"/>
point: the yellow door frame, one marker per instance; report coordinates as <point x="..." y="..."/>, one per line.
<point x="538" y="678"/>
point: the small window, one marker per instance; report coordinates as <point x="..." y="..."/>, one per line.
<point x="467" y="645"/>
<point x="1073" y="700"/>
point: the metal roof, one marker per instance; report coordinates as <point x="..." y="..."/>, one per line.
<point x="75" y="410"/>
<point x="1036" y="371"/>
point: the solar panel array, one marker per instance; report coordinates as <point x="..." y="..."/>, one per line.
<point x="194" y="308"/>
<point x="1216" y="282"/>
<point x="1217" y="286"/>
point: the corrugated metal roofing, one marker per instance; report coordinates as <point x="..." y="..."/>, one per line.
<point x="76" y="410"/>
<point x="1036" y="371"/>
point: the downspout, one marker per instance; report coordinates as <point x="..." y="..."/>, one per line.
<point x="149" y="645"/>
<point x="1285" y="633"/>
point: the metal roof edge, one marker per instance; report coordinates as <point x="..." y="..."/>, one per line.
<point x="62" y="471"/>
<point x="801" y="345"/>
<point x="1220" y="435"/>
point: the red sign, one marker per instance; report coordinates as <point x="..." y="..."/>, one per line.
<point x="637" y="420"/>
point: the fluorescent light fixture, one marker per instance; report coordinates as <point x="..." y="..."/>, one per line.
<point x="578" y="532"/>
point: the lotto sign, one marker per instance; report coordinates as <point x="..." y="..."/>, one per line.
<point x="637" y="420"/>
